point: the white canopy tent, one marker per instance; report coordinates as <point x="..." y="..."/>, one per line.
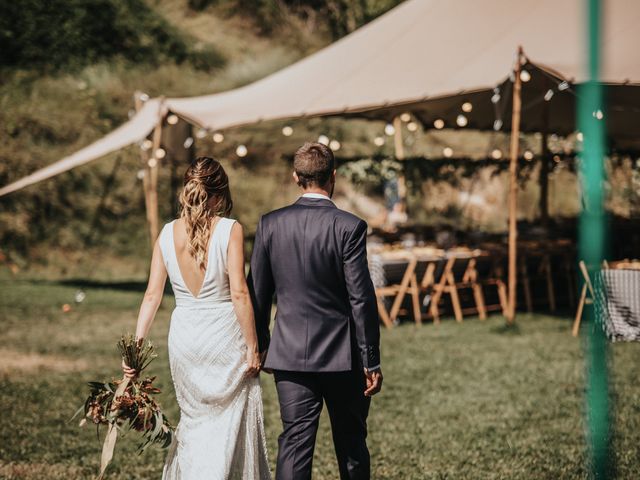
<point x="421" y="55"/>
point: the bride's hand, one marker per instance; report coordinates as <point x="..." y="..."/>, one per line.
<point x="128" y="371"/>
<point x="253" y="362"/>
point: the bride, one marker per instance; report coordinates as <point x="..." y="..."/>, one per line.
<point x="213" y="349"/>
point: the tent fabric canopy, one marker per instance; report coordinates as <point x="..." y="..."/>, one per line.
<point x="424" y="56"/>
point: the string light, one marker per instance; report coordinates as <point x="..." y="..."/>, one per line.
<point x="528" y="155"/>
<point x="160" y="153"/>
<point x="323" y="139"/>
<point x="241" y="151"/>
<point x="496" y="154"/>
<point x="147" y="144"/>
<point x="379" y="141"/>
<point x="467" y="107"/>
<point x="140" y="174"/>
<point x="405" y="117"/>
<point x="152" y="163"/>
<point x="497" y="124"/>
<point x="389" y="129"/>
<point x="563" y="86"/>
<point x="188" y="142"/>
<point x="412" y="126"/>
<point x="549" y="95"/>
<point x="495" y="98"/>
<point x="172" y="119"/>
<point x="218" y="137"/>
<point x="598" y="114"/>
<point x="439" y="124"/>
<point x="525" y="76"/>
<point x="201" y="133"/>
<point x="334" y="145"/>
<point x="579" y="136"/>
<point x="287" y="131"/>
<point x="447" y="152"/>
<point x="461" y="120"/>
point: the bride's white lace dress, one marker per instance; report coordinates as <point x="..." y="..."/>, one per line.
<point x="221" y="430"/>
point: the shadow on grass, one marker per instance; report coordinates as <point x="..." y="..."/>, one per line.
<point x="507" y="329"/>
<point x="87" y="284"/>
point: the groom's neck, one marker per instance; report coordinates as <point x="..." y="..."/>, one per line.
<point x="321" y="190"/>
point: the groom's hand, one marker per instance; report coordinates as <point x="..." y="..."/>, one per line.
<point x="374" y="381"/>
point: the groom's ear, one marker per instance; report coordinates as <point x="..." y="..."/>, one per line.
<point x="295" y="178"/>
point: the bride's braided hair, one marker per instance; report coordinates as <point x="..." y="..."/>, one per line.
<point x="205" y="195"/>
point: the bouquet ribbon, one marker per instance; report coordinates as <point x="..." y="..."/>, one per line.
<point x="112" y="433"/>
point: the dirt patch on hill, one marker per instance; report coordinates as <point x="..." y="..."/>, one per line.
<point x="14" y="361"/>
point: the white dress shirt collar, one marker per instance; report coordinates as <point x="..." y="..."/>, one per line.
<point x="316" y="195"/>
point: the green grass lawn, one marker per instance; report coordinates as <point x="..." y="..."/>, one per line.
<point x="459" y="401"/>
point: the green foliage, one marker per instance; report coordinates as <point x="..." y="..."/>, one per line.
<point x="63" y="34"/>
<point x="339" y="17"/>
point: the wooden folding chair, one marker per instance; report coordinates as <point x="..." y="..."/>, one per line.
<point x="486" y="274"/>
<point x="458" y="274"/>
<point x="543" y="271"/>
<point x="407" y="285"/>
<point x="586" y="287"/>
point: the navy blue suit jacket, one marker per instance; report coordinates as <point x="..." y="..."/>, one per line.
<point x="313" y="257"/>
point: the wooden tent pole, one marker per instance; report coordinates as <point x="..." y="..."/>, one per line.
<point x="144" y="159"/>
<point x="399" y="154"/>
<point x="513" y="187"/>
<point x="154" y="221"/>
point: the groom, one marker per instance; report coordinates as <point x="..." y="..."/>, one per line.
<point x="325" y="344"/>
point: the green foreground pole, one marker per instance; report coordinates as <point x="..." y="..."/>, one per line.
<point x="591" y="120"/>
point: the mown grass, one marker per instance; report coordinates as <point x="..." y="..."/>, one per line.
<point x="460" y="401"/>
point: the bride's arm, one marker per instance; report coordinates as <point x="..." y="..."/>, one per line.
<point x="151" y="300"/>
<point x="240" y="296"/>
<point x="153" y="294"/>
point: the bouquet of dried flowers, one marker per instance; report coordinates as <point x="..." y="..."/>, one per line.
<point x="128" y="404"/>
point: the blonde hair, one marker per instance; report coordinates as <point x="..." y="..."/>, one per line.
<point x="204" y="197"/>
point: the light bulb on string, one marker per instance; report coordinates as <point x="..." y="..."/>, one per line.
<point x="497" y="124"/>
<point x="580" y="136"/>
<point x="438" y="123"/>
<point x="287" y="131"/>
<point x="201" y="133"/>
<point x="563" y="86"/>
<point x="153" y="163"/>
<point x="496" y="154"/>
<point x="467" y="107"/>
<point x="172" y="119"/>
<point x="160" y="153"/>
<point x="146" y="145"/>
<point x="447" y="152"/>
<point x="241" y="151"/>
<point x="412" y="126"/>
<point x="323" y="139"/>
<point x="188" y="142"/>
<point x="389" y="129"/>
<point x="598" y="114"/>
<point x="495" y="98"/>
<point x="334" y="145"/>
<point x="140" y="174"/>
<point x="525" y="76"/>
<point x="548" y="95"/>
<point x="405" y="117"/>
<point x="379" y="141"/>
<point x="528" y="155"/>
<point x="461" y="120"/>
<point x="218" y="137"/>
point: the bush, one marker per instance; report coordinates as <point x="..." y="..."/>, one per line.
<point x="63" y="34"/>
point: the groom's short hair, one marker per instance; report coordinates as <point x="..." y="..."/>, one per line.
<point x="313" y="163"/>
